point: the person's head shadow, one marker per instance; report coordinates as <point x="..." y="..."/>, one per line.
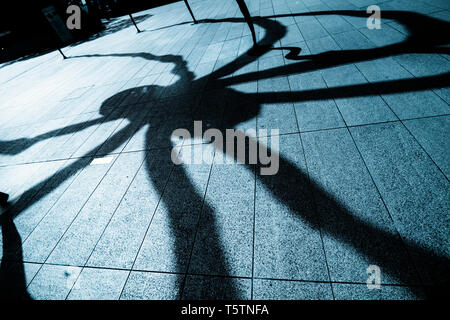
<point x="12" y="271"/>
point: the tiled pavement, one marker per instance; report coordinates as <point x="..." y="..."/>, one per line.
<point x="364" y="157"/>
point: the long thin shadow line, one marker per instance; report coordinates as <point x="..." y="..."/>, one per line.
<point x="34" y="194"/>
<point x="12" y="260"/>
<point x="17" y="146"/>
<point x="13" y="147"/>
<point x="322" y="61"/>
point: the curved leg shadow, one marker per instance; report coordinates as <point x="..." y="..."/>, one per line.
<point x="183" y="208"/>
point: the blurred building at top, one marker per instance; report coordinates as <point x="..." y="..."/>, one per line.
<point x="25" y="27"/>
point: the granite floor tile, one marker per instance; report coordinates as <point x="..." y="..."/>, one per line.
<point x="421" y="65"/>
<point x="216" y="288"/>
<point x="318" y="115"/>
<point x="345" y="75"/>
<point x="307" y="81"/>
<point x="275" y="60"/>
<point x="293" y="35"/>
<point x="287" y="240"/>
<point x="384" y="36"/>
<point x="168" y="242"/>
<point x="273" y="85"/>
<point x="361" y="292"/>
<point x="341" y="199"/>
<point x="383" y="69"/>
<point x="31" y="269"/>
<point x="357" y="229"/>
<point x="310" y="28"/>
<point x="16" y="179"/>
<point x="37" y="202"/>
<point x="334" y="23"/>
<point x="352" y="40"/>
<point x="291" y="290"/>
<point x="408" y="105"/>
<point x="122" y="239"/>
<point x="100" y="135"/>
<point x="223" y="244"/>
<point x="45" y="236"/>
<point x="414" y="191"/>
<point x="230" y="49"/>
<point x="322" y="44"/>
<point x="79" y="240"/>
<point x="432" y="134"/>
<point x="42" y="142"/>
<point x="364" y="110"/>
<point x="280" y="116"/>
<point x="98" y="284"/>
<point x="66" y="143"/>
<point x="53" y="282"/>
<point x="152" y="286"/>
<point x="124" y="131"/>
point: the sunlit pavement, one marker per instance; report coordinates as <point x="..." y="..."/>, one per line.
<point x="101" y="212"/>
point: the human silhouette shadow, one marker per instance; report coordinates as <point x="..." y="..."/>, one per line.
<point x="424" y="36"/>
<point x="312" y="203"/>
<point x="12" y="273"/>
